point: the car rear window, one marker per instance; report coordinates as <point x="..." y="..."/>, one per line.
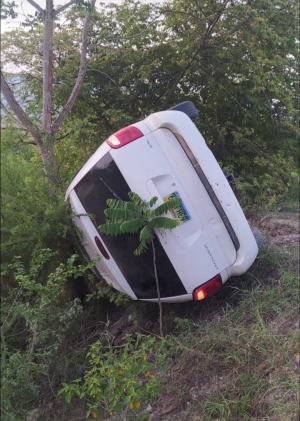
<point x="105" y="181"/>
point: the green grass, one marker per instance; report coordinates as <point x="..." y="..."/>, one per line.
<point x="239" y="359"/>
<point x="232" y="357"/>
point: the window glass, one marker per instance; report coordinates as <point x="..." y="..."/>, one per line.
<point x="105" y="181"/>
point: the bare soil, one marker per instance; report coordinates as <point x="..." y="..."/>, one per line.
<point x="279" y="231"/>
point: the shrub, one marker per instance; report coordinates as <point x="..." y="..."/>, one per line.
<point x="119" y="377"/>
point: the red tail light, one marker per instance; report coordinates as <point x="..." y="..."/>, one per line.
<point x="207" y="289"/>
<point x="101" y="248"/>
<point x="124" y="136"/>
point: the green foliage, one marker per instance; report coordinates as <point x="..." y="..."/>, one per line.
<point x="130" y="217"/>
<point x="35" y="322"/>
<point x="163" y="222"/>
<point x="100" y="290"/>
<point x="7" y="9"/>
<point x="238" y="63"/>
<point x="30" y="218"/>
<point x="119" y="377"/>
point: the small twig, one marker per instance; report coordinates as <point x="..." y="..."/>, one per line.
<point x="158" y="291"/>
<point x="8" y="414"/>
<point x="10" y="310"/>
<point x="150" y="333"/>
<point x="49" y="381"/>
<point x="105" y="74"/>
<point x="62" y="137"/>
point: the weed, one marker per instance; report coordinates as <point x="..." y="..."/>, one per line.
<point x="119" y="377"/>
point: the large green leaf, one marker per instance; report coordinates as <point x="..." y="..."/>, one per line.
<point x="111" y="228"/>
<point x="148" y="214"/>
<point x="166" y="206"/>
<point x="132" y="207"/>
<point x="115" y="204"/>
<point x="118" y="215"/>
<point x="142" y="248"/>
<point x="146" y="233"/>
<point x="164" y="222"/>
<point x="153" y="201"/>
<point x="132" y="226"/>
<point x="137" y="200"/>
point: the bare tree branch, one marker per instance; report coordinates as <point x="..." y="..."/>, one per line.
<point x="6" y="111"/>
<point x="31" y="22"/>
<point x="80" y="77"/>
<point x="38" y="8"/>
<point x="215" y="21"/>
<point x="18" y="111"/>
<point x="62" y="8"/>
<point x="105" y="74"/>
<point x="62" y="137"/>
<point x="203" y="45"/>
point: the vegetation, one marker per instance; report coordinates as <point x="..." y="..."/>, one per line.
<point x="120" y="377"/>
<point x="137" y="216"/>
<point x="234" y="356"/>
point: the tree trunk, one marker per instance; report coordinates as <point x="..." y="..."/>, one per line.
<point x="44" y="138"/>
<point x="47" y="64"/>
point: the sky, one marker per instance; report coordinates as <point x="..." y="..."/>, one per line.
<point x="25" y="8"/>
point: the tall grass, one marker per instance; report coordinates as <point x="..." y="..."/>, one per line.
<point x="239" y="359"/>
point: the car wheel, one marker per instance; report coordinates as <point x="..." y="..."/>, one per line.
<point x="260" y="241"/>
<point x="188" y="108"/>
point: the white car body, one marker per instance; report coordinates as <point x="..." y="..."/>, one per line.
<point x="171" y="156"/>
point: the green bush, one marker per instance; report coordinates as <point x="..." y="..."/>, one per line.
<point x="120" y="377"/>
<point x="36" y="319"/>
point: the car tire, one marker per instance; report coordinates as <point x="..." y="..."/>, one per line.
<point x="187" y="107"/>
<point x="260" y="241"/>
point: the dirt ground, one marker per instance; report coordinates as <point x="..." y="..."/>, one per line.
<point x="278" y="231"/>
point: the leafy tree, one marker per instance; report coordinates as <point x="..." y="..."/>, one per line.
<point x="236" y="60"/>
<point x="239" y="64"/>
<point x="7" y="9"/>
<point x="138" y="216"/>
<point x="30" y="218"/>
<point x="43" y="134"/>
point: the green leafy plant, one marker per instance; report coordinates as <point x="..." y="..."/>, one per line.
<point x="136" y="216"/>
<point x="103" y="290"/>
<point x="120" y="377"/>
<point x="35" y="322"/>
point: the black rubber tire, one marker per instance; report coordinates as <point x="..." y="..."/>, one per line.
<point x="187" y="107"/>
<point x="260" y="241"/>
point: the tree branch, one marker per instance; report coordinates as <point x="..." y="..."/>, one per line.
<point x="38" y="8"/>
<point x="202" y="46"/>
<point x="62" y="137"/>
<point x="10" y="310"/>
<point x="80" y="77"/>
<point x="62" y="8"/>
<point x="105" y="74"/>
<point x="6" y="111"/>
<point x="47" y="66"/>
<point x="18" y="111"/>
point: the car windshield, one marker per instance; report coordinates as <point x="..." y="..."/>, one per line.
<point x="105" y="181"/>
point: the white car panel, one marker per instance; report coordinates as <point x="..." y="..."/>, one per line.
<point x="157" y="165"/>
